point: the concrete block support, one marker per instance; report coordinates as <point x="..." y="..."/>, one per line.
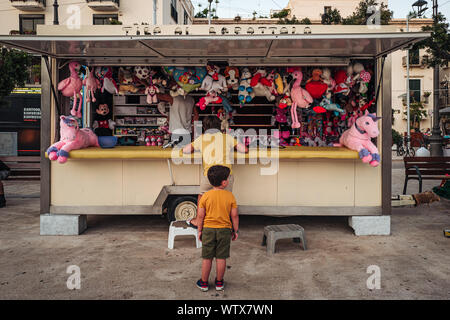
<point x="370" y="225"/>
<point x="62" y="224"/>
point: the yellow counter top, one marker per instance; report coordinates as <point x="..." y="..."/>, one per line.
<point x="144" y="152"/>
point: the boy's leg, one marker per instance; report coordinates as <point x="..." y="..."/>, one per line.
<point x="221" y="265"/>
<point x="206" y="269"/>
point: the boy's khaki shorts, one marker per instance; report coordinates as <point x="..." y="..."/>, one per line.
<point x="216" y="243"/>
<point x="205" y="185"/>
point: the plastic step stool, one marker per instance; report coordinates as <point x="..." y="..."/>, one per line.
<point x="181" y="228"/>
<point x="282" y="231"/>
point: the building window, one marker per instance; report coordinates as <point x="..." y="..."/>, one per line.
<point x="414" y="57"/>
<point x="326" y="10"/>
<point x="186" y="17"/>
<point x="414" y="90"/>
<point x="173" y="10"/>
<point x="100" y="19"/>
<point x="28" y="22"/>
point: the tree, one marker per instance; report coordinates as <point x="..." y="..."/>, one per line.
<point x="331" y="17"/>
<point x="14" y="66"/>
<point x="362" y="14"/>
<point x="294" y="20"/>
<point x="417" y="113"/>
<point x="281" y="14"/>
<point x="438" y="45"/>
<point x="202" y="14"/>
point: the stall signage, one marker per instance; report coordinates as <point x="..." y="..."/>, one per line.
<point x="31" y="114"/>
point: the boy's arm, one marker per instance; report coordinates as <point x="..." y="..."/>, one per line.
<point x="235" y="222"/>
<point x="189" y="148"/>
<point x="200" y="218"/>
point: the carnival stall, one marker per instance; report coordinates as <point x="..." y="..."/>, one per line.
<point x="312" y="103"/>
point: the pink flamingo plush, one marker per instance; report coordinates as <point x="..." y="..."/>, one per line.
<point x="358" y="138"/>
<point x="72" y="138"/>
<point x="71" y="87"/>
<point x="92" y="84"/>
<point x="300" y="98"/>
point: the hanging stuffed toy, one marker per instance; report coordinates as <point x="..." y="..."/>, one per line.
<point x="246" y="92"/>
<point x="126" y="82"/>
<point x="226" y="102"/>
<point x="103" y="125"/>
<point x="279" y="83"/>
<point x="327" y="105"/>
<point x="300" y="98"/>
<point x="189" y="79"/>
<point x="262" y="87"/>
<point x="92" y="84"/>
<point x="341" y="85"/>
<point x="283" y="107"/>
<point x="232" y="76"/>
<point x="315" y="86"/>
<point x="224" y="117"/>
<point x="151" y="91"/>
<point x="329" y="81"/>
<point x="214" y="80"/>
<point x="104" y="74"/>
<point x="72" y="138"/>
<point x="211" y="97"/>
<point x="363" y="77"/>
<point x="358" y="138"/>
<point x="143" y="75"/>
<point x="71" y="87"/>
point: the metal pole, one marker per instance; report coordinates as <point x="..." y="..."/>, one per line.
<point x="436" y="139"/>
<point x="209" y="12"/>
<point x="55" y="13"/>
<point x="408" y="95"/>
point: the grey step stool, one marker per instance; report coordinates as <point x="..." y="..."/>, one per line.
<point x="283" y="231"/>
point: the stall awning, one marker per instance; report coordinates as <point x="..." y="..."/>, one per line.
<point x="240" y="49"/>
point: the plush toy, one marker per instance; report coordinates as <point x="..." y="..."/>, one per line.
<point x="71" y="87"/>
<point x="315" y="86"/>
<point x="282" y="109"/>
<point x="224" y="117"/>
<point x="143" y="75"/>
<point x="126" y="83"/>
<point x="72" y="138"/>
<point x="226" y="102"/>
<point x="176" y="90"/>
<point x="151" y="92"/>
<point x="329" y="106"/>
<point x="279" y="83"/>
<point x="211" y="97"/>
<point x="92" y="84"/>
<point x="349" y="81"/>
<point x="358" y="138"/>
<point x="246" y="92"/>
<point x="189" y="79"/>
<point x="363" y="77"/>
<point x="103" y="125"/>
<point x="214" y="80"/>
<point x="329" y="81"/>
<point x="262" y="87"/>
<point x="341" y="87"/>
<point x="104" y="74"/>
<point x="232" y="76"/>
<point x="300" y="98"/>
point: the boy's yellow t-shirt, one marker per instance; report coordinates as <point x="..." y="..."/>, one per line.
<point x="217" y="204"/>
<point x="216" y="148"/>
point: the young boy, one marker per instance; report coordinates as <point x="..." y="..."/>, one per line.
<point x="218" y="224"/>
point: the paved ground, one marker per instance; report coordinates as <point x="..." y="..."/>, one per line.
<point x="126" y="257"/>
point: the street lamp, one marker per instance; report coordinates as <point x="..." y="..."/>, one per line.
<point x="435" y="138"/>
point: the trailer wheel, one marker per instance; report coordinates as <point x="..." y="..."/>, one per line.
<point x="182" y="208"/>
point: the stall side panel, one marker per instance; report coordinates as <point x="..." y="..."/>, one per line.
<point x="367" y="185"/>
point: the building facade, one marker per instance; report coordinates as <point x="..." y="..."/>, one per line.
<point x="22" y="17"/>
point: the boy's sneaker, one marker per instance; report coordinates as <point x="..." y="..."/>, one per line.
<point x="219" y="285"/>
<point x="202" y="285"/>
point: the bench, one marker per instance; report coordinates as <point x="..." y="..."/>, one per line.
<point x="426" y="168"/>
<point x="23" y="168"/>
<point x="282" y="231"/>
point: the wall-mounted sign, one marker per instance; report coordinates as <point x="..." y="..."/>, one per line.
<point x="8" y="144"/>
<point x="31" y="114"/>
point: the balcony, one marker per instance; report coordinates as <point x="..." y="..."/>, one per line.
<point x="415" y="62"/>
<point x="104" y="5"/>
<point x="29" y="5"/>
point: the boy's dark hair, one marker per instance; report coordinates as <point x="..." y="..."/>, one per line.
<point x="217" y="174"/>
<point x="211" y="122"/>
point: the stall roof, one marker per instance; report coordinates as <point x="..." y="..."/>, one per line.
<point x="279" y="46"/>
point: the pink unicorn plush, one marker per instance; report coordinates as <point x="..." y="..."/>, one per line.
<point x="72" y="138"/>
<point x="92" y="84"/>
<point x="358" y="138"/>
<point x="300" y="97"/>
<point x="71" y="87"/>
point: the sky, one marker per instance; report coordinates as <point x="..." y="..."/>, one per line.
<point x="230" y="8"/>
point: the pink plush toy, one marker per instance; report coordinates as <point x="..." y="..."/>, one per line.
<point x="106" y="77"/>
<point x="300" y="98"/>
<point x="211" y="97"/>
<point x="72" y="138"/>
<point x="358" y="138"/>
<point x="71" y="87"/>
<point x="92" y="84"/>
<point x="151" y="92"/>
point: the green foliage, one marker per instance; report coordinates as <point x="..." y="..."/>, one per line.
<point x="294" y="20"/>
<point x="360" y="16"/>
<point x="282" y="14"/>
<point x="115" y="21"/>
<point x="438" y="45"/>
<point x="331" y="17"/>
<point x="397" y="138"/>
<point x="417" y="113"/>
<point x="14" y="66"/>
